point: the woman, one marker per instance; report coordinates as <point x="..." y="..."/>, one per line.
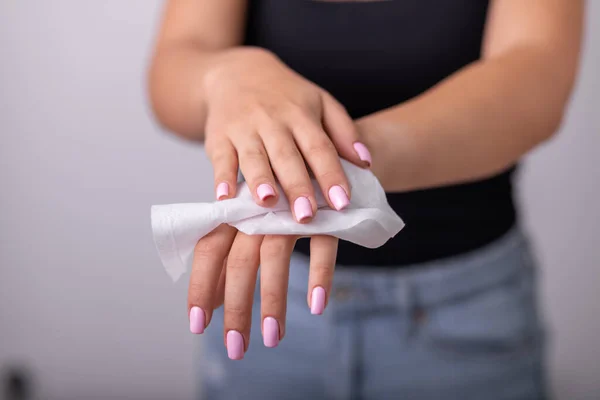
<point x="440" y="98"/>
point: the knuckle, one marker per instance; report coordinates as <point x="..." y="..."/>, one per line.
<point x="222" y="158"/>
<point x="264" y="113"/>
<point x="258" y="179"/>
<point x="297" y="112"/>
<point x="310" y="94"/>
<point x="236" y="310"/>
<point x="210" y="247"/>
<point x="253" y="153"/>
<point x="329" y="175"/>
<point x="298" y="188"/>
<point x="274" y="247"/>
<point x="271" y="301"/>
<point x="273" y="126"/>
<point x="322" y="147"/>
<point x="322" y="269"/>
<point x="215" y="145"/>
<point x="238" y="262"/>
<point x="235" y="128"/>
<point x="198" y="294"/>
<point x="285" y="152"/>
<point x="236" y="315"/>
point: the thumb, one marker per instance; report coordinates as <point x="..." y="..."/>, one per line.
<point x="343" y="133"/>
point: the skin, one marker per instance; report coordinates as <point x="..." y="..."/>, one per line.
<point x="205" y="86"/>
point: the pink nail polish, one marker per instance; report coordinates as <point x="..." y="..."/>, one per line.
<point x="235" y="345"/>
<point x="197" y="320"/>
<point x="338" y="197"/>
<point x="363" y="153"/>
<point x="270" y="332"/>
<point x="222" y="190"/>
<point x="302" y="208"/>
<point x="265" y="191"/>
<point x="317" y="301"/>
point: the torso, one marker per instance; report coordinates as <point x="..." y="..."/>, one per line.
<point x="372" y="55"/>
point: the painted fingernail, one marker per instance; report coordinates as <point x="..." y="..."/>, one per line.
<point x="270" y="332"/>
<point x="317" y="301"/>
<point x="338" y="197"/>
<point x="363" y="153"/>
<point x="302" y="208"/>
<point x="235" y="345"/>
<point x="197" y="320"/>
<point x="222" y="190"/>
<point x="265" y="191"/>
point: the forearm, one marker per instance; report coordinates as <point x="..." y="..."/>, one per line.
<point x="175" y="88"/>
<point x="474" y="124"/>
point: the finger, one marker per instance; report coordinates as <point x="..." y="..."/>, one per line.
<point x="324" y="161"/>
<point x="209" y="253"/>
<point x="242" y="266"/>
<point x="220" y="294"/>
<point x="255" y="166"/>
<point x="275" y="254"/>
<point x="291" y="171"/>
<point x="343" y="132"/>
<point x="323" y="252"/>
<point x="224" y="160"/>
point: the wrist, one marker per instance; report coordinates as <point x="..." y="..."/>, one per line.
<point x="395" y="151"/>
<point x="372" y="138"/>
<point x="233" y="63"/>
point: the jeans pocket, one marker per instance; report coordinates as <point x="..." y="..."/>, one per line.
<point x="498" y="321"/>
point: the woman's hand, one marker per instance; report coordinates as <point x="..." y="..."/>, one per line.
<point x="272" y="123"/>
<point x="256" y="114"/>
<point x="225" y="268"/>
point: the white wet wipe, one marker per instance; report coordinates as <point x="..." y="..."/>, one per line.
<point x="368" y="221"/>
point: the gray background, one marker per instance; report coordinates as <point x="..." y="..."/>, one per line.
<point x="84" y="301"/>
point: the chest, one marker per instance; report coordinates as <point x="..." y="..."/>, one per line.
<point x="400" y="45"/>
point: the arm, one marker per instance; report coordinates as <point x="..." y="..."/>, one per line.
<point x="251" y="111"/>
<point x="194" y="36"/>
<point x="482" y="119"/>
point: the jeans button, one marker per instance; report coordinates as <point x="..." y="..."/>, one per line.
<point x="418" y="315"/>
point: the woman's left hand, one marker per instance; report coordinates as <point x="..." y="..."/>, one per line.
<point x="224" y="270"/>
<point x="225" y="267"/>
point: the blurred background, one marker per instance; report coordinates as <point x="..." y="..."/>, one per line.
<point x="86" y="309"/>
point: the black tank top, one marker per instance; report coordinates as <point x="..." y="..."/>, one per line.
<point x="374" y="55"/>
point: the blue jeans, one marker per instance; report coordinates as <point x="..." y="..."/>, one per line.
<point x="464" y="328"/>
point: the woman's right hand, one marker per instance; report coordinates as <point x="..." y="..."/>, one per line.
<point x="271" y="123"/>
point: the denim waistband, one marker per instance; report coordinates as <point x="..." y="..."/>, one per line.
<point x="428" y="283"/>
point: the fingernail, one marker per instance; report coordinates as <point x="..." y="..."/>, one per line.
<point x="197" y="320"/>
<point x="363" y="153"/>
<point x="222" y="190"/>
<point x="338" y="197"/>
<point x="235" y="345"/>
<point x="317" y="301"/>
<point x="270" y="332"/>
<point x="265" y="191"/>
<point x="302" y="208"/>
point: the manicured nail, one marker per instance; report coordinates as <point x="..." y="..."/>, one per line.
<point x="265" y="191"/>
<point x="338" y="197"/>
<point x="197" y="320"/>
<point x="317" y="301"/>
<point x="235" y="345"/>
<point x="302" y="208"/>
<point x="222" y="190"/>
<point x="270" y="332"/>
<point x="363" y="153"/>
